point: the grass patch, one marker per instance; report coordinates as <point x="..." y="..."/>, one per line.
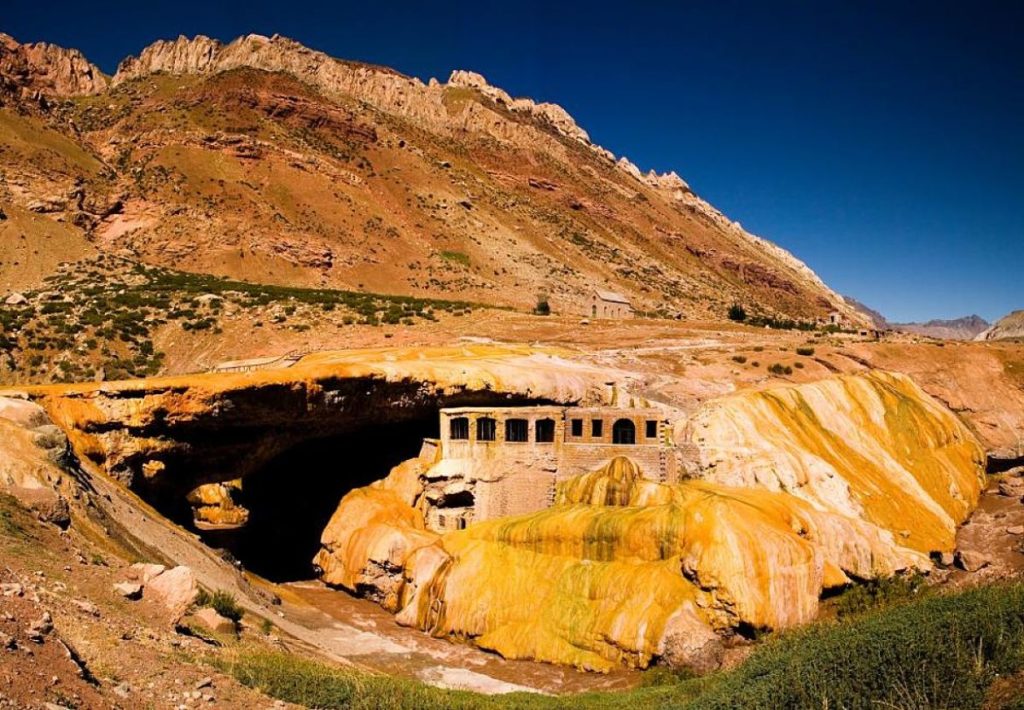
<point x="11" y="524"/>
<point x="805" y="351"/>
<point x="739" y="358"/>
<point x="221" y="602"/>
<point x="892" y="649"/>
<point x="456" y="257"/>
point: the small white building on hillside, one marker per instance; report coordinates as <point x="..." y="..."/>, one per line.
<point x="608" y="304"/>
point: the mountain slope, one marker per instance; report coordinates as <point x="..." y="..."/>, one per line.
<point x="265" y="160"/>
<point x="1009" y="326"/>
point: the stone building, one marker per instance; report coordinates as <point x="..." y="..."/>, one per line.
<point x="608" y="304"/>
<point x="497" y="461"/>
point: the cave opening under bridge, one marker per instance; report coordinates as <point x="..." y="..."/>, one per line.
<point x="296" y="462"/>
<point x="292" y="497"/>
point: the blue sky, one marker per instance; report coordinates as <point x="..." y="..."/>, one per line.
<point x="882" y="143"/>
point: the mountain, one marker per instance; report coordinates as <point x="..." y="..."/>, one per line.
<point x="33" y="71"/>
<point x="966" y="328"/>
<point x="1009" y="326"/>
<point x="267" y="161"/>
<point x="877" y="319"/>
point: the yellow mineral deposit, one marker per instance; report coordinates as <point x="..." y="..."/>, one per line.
<point x="871" y="446"/>
<point x="803" y="487"/>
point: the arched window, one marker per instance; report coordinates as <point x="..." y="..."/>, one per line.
<point x="517" y="430"/>
<point x="485" y="428"/>
<point x="545" y="431"/>
<point x="458" y="428"/>
<point x="623" y="432"/>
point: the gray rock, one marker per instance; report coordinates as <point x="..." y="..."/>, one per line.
<point x="972" y="561"/>
<point x="128" y="590"/>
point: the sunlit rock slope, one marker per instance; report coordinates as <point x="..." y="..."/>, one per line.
<point x="804" y="488"/>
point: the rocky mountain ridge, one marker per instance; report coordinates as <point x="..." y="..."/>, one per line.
<point x="39" y="69"/>
<point x="265" y="160"/>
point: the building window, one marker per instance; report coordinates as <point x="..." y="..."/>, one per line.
<point x="576" y="426"/>
<point x="458" y="428"/>
<point x="545" y="430"/>
<point x="596" y="428"/>
<point x="485" y="428"/>
<point x="652" y="429"/>
<point x="517" y="430"/>
<point x="623" y="432"/>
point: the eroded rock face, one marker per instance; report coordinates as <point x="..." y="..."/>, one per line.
<point x="213" y="505"/>
<point x="873" y="447"/>
<point x="43" y="69"/>
<point x="151" y="433"/>
<point x="626" y="570"/>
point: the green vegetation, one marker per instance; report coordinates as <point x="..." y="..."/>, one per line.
<point x="739" y="358"/>
<point x="880" y="594"/>
<point x="737" y="313"/>
<point x="780" y="369"/>
<point x="893" y="648"/>
<point x="781" y="323"/>
<point x="543" y="308"/>
<point x="10" y="525"/>
<point x="805" y="351"/>
<point x="221" y="602"/>
<point x="457" y="257"/>
<point x="99" y="317"/>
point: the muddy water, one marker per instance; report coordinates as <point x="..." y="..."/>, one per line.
<point x="397" y="650"/>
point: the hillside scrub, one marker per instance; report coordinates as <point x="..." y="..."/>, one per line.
<point x="940" y="651"/>
<point x="98" y="318"/>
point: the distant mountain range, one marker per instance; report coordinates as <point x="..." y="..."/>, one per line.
<point x="965" y="328"/>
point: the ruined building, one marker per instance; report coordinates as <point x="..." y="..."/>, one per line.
<point x="492" y="462"/>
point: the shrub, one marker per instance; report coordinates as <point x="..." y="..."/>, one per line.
<point x="543" y="308"/>
<point x="222" y="602"/>
<point x="737" y="313"/>
<point x="779" y="369"/>
<point x="805" y="351"/>
<point x="739" y="358"/>
<point x="457" y="257"/>
<point x="880" y="594"/>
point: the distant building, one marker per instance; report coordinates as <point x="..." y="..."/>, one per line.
<point x="608" y="304"/>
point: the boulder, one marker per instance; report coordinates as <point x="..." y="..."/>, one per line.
<point x="175" y="589"/>
<point x="15" y="299"/>
<point x="209" y="619"/>
<point x="143" y="572"/>
<point x="1011" y="487"/>
<point x="25" y="414"/>
<point x="128" y="590"/>
<point x="689" y="642"/>
<point x="1015" y="530"/>
<point x="971" y="560"/>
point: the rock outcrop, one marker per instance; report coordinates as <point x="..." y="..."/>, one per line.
<point x="625" y="570"/>
<point x="1008" y="327"/>
<point x="41" y="69"/>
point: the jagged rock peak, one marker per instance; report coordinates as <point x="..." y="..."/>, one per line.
<point x="552" y="113"/>
<point x="44" y="69"/>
